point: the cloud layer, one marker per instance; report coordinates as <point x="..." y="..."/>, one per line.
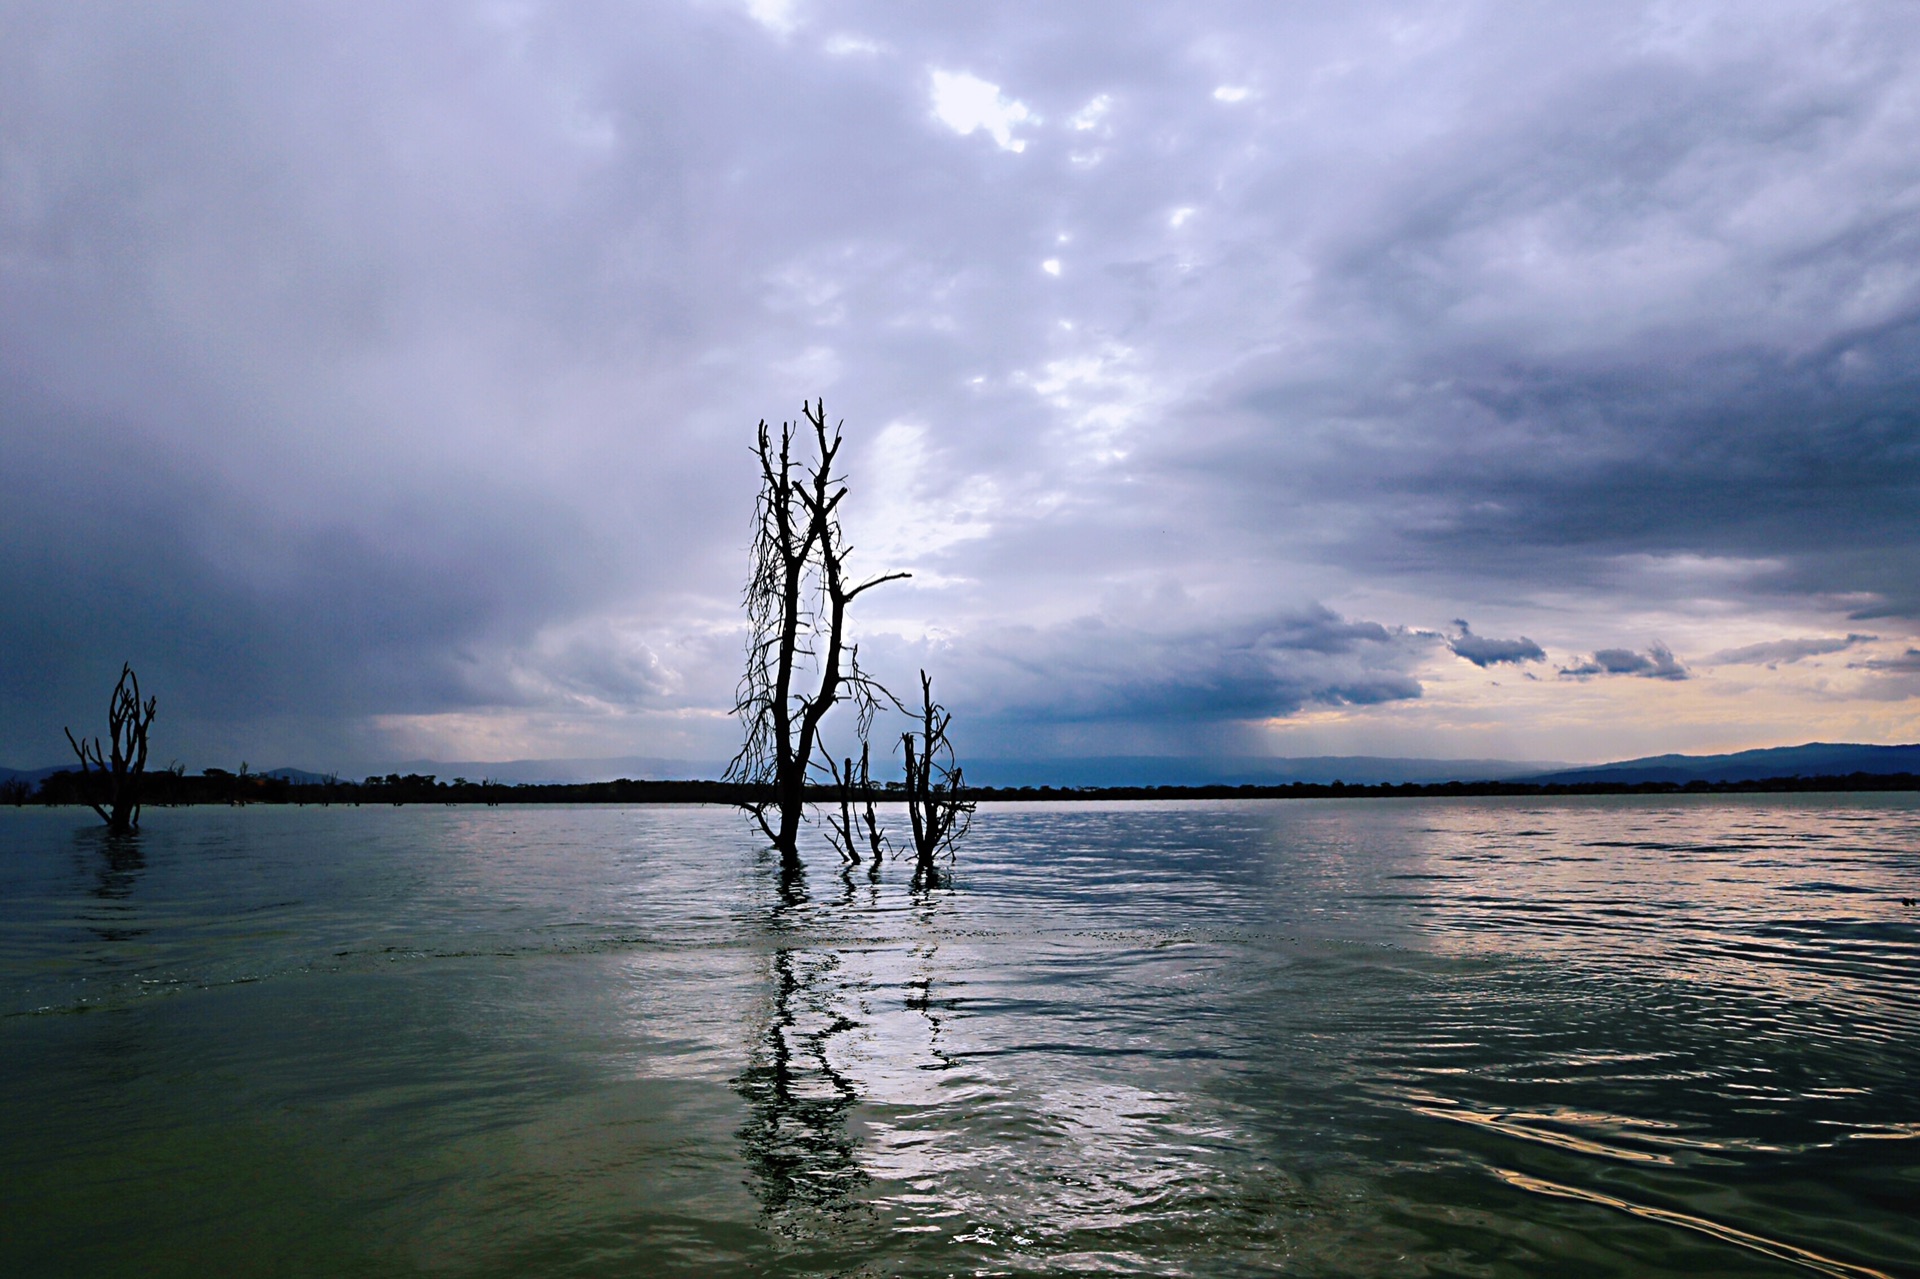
<point x="381" y="379"/>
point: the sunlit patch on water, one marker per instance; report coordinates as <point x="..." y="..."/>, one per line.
<point x="1628" y="1037"/>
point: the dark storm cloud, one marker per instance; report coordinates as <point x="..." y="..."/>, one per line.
<point x="116" y="553"/>
<point x="1484" y="650"/>
<point x="382" y="360"/>
<point x="1665" y="307"/>
<point x="1127" y="685"/>
<point x="1658" y="662"/>
<point x="1787" y="651"/>
<point x="302" y="316"/>
<point x="1794" y="461"/>
<point x="1908" y="663"/>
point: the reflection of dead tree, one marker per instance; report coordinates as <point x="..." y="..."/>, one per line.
<point x="856" y="818"/>
<point x="795" y="1136"/>
<point x="920" y="999"/>
<point x="120" y="768"/>
<point x="797" y="596"/>
<point x="939" y="815"/>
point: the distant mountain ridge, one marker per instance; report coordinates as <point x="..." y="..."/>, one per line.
<point x="1814" y="759"/>
<point x="31" y="776"/>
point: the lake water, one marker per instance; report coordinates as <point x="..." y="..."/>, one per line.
<point x="1453" y="1037"/>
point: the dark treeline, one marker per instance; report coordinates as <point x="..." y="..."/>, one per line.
<point x="215" y="786"/>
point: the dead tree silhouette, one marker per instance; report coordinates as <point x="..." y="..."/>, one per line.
<point x="935" y="789"/>
<point x="119" y="768"/>
<point x="797" y="596"/>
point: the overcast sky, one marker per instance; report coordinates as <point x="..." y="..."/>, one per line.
<point x="1454" y="379"/>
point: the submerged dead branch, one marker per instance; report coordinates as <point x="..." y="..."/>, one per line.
<point x="857" y="821"/>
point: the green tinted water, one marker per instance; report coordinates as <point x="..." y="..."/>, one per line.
<point x="1590" y="1037"/>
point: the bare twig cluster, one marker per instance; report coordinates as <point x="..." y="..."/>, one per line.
<point x="116" y="770"/>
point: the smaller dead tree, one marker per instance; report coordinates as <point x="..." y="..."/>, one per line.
<point x="114" y="774"/>
<point x="856" y="819"/>
<point x="935" y="789"/>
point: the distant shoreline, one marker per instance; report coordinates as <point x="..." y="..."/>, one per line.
<point x="166" y="790"/>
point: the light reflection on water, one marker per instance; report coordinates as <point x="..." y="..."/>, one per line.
<point x="1360" y="1037"/>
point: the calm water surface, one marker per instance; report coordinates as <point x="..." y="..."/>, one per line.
<point x="1483" y="1037"/>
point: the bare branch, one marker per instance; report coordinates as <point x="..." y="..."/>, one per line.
<point x="873" y="582"/>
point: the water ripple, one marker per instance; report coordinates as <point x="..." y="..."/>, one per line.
<point x="1489" y="1036"/>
